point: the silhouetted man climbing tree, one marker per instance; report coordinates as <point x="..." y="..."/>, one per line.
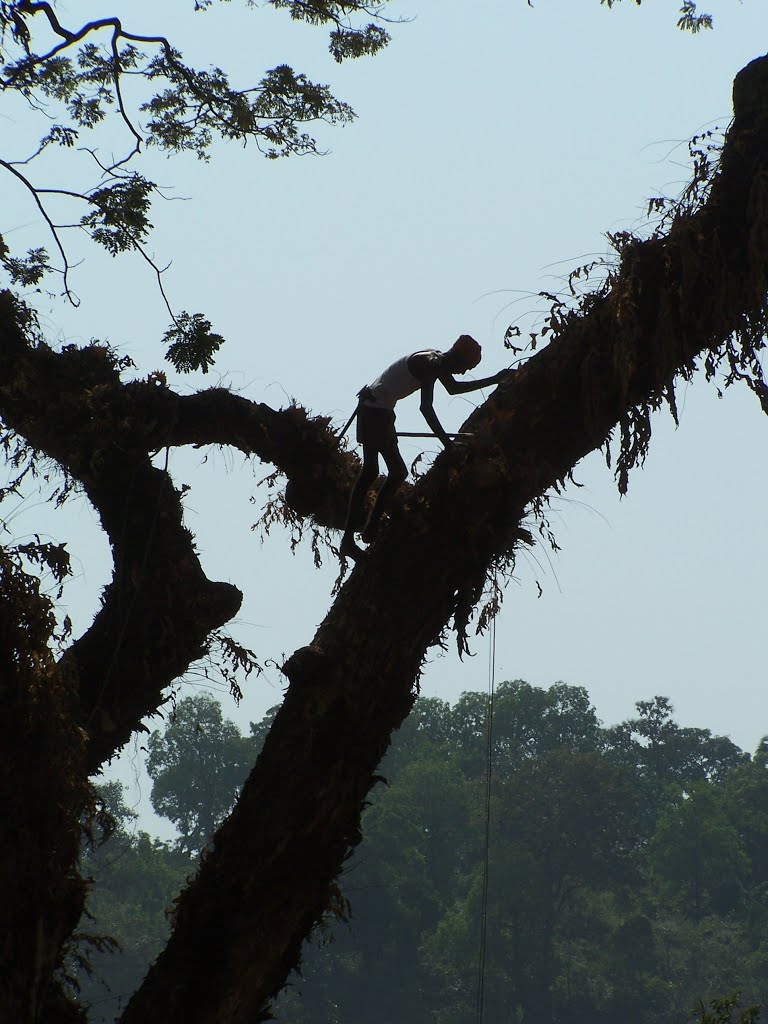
<point x="376" y="424"/>
<point x="693" y="294"/>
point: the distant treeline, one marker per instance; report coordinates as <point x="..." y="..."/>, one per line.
<point x="624" y="877"/>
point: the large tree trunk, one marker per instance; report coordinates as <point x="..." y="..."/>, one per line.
<point x="272" y="874"/>
<point x="43" y="786"/>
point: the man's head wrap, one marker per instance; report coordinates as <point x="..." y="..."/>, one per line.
<point x="468" y="350"/>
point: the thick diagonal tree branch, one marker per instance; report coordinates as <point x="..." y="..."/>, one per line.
<point x="159" y="609"/>
<point x="698" y="292"/>
<point x="305" y="449"/>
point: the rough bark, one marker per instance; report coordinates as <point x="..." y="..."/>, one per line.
<point x="700" y="291"/>
<point x="63" y="720"/>
<point x="41" y="781"/>
<point x="159" y="609"/>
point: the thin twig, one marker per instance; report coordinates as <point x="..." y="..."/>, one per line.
<point x="44" y="213"/>
<point x="118" y="92"/>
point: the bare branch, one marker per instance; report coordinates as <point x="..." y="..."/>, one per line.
<point x="121" y="106"/>
<point x="44" y="213"/>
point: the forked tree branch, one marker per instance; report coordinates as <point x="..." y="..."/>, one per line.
<point x="272" y="872"/>
<point x="159" y="609"/>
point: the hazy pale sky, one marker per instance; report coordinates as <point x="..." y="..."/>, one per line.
<point x="496" y="145"/>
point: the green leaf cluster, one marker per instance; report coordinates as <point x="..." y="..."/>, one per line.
<point x="347" y="40"/>
<point x="191" y="343"/>
<point x="85" y="84"/>
<point x="119" y="220"/>
<point x="197" y="766"/>
<point x="199" y="104"/>
<point x="26" y="271"/>
<point x="689" y="20"/>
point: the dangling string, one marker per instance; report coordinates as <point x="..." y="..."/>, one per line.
<point x="487" y="837"/>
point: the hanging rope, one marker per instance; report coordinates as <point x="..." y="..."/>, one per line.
<point x="487" y="838"/>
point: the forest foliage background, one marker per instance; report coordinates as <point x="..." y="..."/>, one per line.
<point x="628" y="866"/>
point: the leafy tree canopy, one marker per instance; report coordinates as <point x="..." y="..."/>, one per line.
<point x="197" y="766"/>
<point x="595" y="909"/>
<point x="77" y="79"/>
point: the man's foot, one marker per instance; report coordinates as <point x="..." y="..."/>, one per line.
<point x="349" y="549"/>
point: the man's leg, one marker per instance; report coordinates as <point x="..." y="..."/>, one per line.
<point x="397" y="473"/>
<point x="367" y="476"/>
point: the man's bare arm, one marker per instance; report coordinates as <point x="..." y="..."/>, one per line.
<point x="429" y="414"/>
<point x="461" y="387"/>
